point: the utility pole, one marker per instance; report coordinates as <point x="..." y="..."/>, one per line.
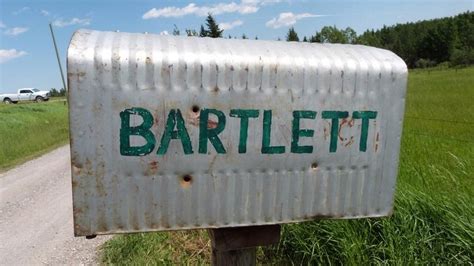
<point x="59" y="61"/>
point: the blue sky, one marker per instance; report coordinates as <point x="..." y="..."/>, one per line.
<point x="27" y="56"/>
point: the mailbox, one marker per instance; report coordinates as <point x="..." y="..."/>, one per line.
<point x="171" y="132"/>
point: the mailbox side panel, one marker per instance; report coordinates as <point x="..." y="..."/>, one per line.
<point x="109" y="73"/>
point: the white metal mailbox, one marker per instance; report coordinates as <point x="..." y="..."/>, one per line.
<point x="186" y="132"/>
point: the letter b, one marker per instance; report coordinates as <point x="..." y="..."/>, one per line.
<point x="142" y="130"/>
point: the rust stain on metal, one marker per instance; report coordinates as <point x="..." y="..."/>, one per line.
<point x="77" y="74"/>
<point x="211" y="124"/>
<point x="351" y="122"/>
<point x="377" y="136"/>
<point x="350" y="142"/>
<point x="114" y="192"/>
<point x="80" y="230"/>
<point x="193" y="117"/>
<point x="99" y="178"/>
<point x="344" y="122"/>
<point x="76" y="169"/>
<point x="102" y="225"/>
<point x="321" y="216"/>
<point x="152" y="168"/>
<point x="77" y="211"/>
<point x="326" y="130"/>
<point x="88" y="167"/>
<point x="74" y="183"/>
<point x="211" y="165"/>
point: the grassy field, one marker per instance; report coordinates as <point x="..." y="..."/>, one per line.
<point x="433" y="221"/>
<point x="30" y="129"/>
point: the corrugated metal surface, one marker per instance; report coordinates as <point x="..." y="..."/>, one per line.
<point x="109" y="72"/>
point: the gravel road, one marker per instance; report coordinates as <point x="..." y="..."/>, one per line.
<point x="36" y="224"/>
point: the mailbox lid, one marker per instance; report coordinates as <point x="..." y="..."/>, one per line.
<point x="110" y="73"/>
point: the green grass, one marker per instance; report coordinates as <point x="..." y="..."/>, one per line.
<point x="433" y="220"/>
<point x="28" y="130"/>
<point x="184" y="247"/>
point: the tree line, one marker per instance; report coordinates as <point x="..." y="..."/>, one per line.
<point x="57" y="93"/>
<point x="448" y="41"/>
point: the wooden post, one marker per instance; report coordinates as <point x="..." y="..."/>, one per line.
<point x="237" y="245"/>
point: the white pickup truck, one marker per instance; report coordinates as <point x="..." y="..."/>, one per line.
<point x="25" y="94"/>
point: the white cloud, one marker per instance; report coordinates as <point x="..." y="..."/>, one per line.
<point x="21" y="10"/>
<point x="7" y="55"/>
<point x="230" y="25"/>
<point x="74" y="21"/>
<point x="45" y="12"/>
<point x="288" y="19"/>
<point x="16" y="31"/>
<point x="2" y="26"/>
<point x="165" y="32"/>
<point x="244" y="7"/>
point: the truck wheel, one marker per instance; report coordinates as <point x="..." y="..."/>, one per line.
<point x="39" y="99"/>
<point x="7" y="101"/>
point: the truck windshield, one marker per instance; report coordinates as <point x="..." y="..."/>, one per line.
<point x="35" y="90"/>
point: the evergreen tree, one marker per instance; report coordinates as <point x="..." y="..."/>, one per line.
<point x="213" y="29"/>
<point x="191" y="33"/>
<point x="369" y="38"/>
<point x="315" y="38"/>
<point x="292" y="36"/>
<point x="420" y="44"/>
<point x="54" y="92"/>
<point x="203" y="32"/>
<point x="427" y="43"/>
<point x="176" y="30"/>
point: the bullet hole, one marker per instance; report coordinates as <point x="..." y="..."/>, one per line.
<point x="314" y="166"/>
<point x="187" y="178"/>
<point x="195" y="108"/>
<point x="186" y="181"/>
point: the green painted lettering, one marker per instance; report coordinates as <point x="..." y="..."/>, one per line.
<point x="208" y="130"/>
<point x="244" y="116"/>
<point x="297" y="132"/>
<point x="267" y="131"/>
<point x="142" y="130"/>
<point x="365" y="116"/>
<point x="175" y="119"/>
<point x="334" y="116"/>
